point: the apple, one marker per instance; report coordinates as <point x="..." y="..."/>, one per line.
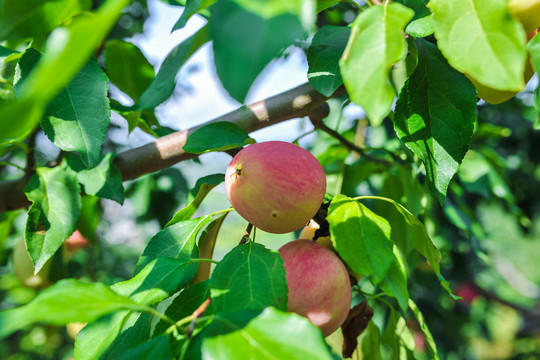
<point x="24" y="268"/>
<point x="318" y="282"/>
<point x="527" y="12"/>
<point x="308" y="232"/>
<point x="75" y="243"/>
<point x="276" y="186"/>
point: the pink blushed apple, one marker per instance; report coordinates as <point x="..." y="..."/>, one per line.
<point x="275" y="185"/>
<point x="318" y="282"/>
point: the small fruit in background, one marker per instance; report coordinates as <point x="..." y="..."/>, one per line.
<point x="24" y="268"/>
<point x="74" y="328"/>
<point x="275" y="185"/>
<point x="318" y="282"/>
<point x="527" y="12"/>
<point x="75" y="243"/>
<point x="308" y="232"/>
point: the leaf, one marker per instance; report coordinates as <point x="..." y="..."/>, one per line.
<point x="185" y="304"/>
<point x="398" y="337"/>
<point x="159" y="279"/>
<point x="480" y="38"/>
<point x="395" y="281"/>
<point x="533" y="47"/>
<point x="244" y="42"/>
<point x="127" y="67"/>
<point x="134" y="333"/>
<point x="271" y="334"/>
<point x="163" y="84"/>
<point x="217" y="136"/>
<point x="207" y="244"/>
<point x="157" y="348"/>
<point x="371" y="343"/>
<point x="361" y="237"/>
<point x="196" y="196"/>
<point x="27" y="19"/>
<point x="176" y="241"/>
<point x="421" y="25"/>
<point x="249" y="277"/>
<point x="430" y="343"/>
<point x="192" y="7"/>
<point x="325" y="4"/>
<point x="78" y="118"/>
<point x="67" y="301"/>
<point x="376" y="43"/>
<point x="434" y="116"/>
<point x="55" y="209"/>
<point x="323" y="57"/>
<point x="103" y="180"/>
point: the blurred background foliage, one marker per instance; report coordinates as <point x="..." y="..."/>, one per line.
<point x="488" y="230"/>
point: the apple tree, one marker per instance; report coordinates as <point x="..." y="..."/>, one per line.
<point x="419" y="213"/>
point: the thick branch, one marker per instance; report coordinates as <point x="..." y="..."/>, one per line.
<point x="167" y="150"/>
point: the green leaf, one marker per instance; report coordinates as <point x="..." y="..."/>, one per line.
<point x="245" y="41"/>
<point x="78" y="118"/>
<point x="434" y="116"/>
<point x="249" y="277"/>
<point x="375" y="45"/>
<point x="103" y="180"/>
<point x="371" y="343"/>
<point x="325" y="4"/>
<point x="430" y="343"/>
<point x="217" y="136"/>
<point x="533" y="47"/>
<point x="323" y="57"/>
<point x="163" y="84"/>
<point x="270" y="334"/>
<point x="196" y="196"/>
<point x="127" y="67"/>
<point x="193" y="7"/>
<point x="398" y="337"/>
<point x="157" y="348"/>
<point x="480" y="38"/>
<point x="176" y="241"/>
<point x="395" y="281"/>
<point x="67" y="301"/>
<point x="361" y="237"/>
<point x="135" y="332"/>
<point x="159" y="279"/>
<point x="185" y="304"/>
<point x="35" y="18"/>
<point x="55" y="209"/>
<point x="421" y="25"/>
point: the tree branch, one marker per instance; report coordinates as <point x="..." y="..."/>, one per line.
<point x="167" y="150"/>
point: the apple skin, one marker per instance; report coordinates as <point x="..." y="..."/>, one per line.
<point x="276" y="186"/>
<point x="318" y="282"/>
<point x="24" y="268"/>
<point x="75" y="243"/>
<point x="527" y="12"/>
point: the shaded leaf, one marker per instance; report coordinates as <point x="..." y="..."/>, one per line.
<point x="94" y="339"/>
<point x="249" y="277"/>
<point x="193" y="7"/>
<point x="434" y="116"/>
<point x="217" y="136"/>
<point x="53" y="215"/>
<point x="430" y="343"/>
<point x="395" y="281"/>
<point x="156" y="348"/>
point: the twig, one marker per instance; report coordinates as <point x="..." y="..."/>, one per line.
<point x="246" y="234"/>
<point x="196" y="315"/>
<point x="30" y="156"/>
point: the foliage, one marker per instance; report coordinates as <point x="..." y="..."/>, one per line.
<point x="432" y="199"/>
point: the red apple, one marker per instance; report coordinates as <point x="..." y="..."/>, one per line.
<point x="275" y="185"/>
<point x="75" y="242"/>
<point x="318" y="282"/>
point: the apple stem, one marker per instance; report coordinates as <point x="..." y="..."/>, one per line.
<point x="246" y="234"/>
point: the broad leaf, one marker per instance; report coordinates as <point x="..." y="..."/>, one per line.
<point x="376" y="43"/>
<point x="217" y="136"/>
<point x="430" y="343"/>
<point x="135" y="332"/>
<point x="249" y="277"/>
<point x="270" y="334"/>
<point x="421" y="25"/>
<point x="533" y="47"/>
<point x="158" y="280"/>
<point x="196" y="196"/>
<point x="127" y="67"/>
<point x="323" y="57"/>
<point x="361" y="237"/>
<point x="177" y="241"/>
<point x="185" y="304"/>
<point x="78" y="118"/>
<point x="56" y="206"/>
<point x="162" y="86"/>
<point x="434" y="116"/>
<point x="480" y="38"/>
<point x="245" y="41"/>
<point x="67" y="301"/>
<point x="193" y="7"/>
<point x="371" y="343"/>
<point x="157" y="348"/>
<point x="395" y="281"/>
<point x="26" y="19"/>
<point x="398" y="337"/>
<point x="104" y="180"/>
